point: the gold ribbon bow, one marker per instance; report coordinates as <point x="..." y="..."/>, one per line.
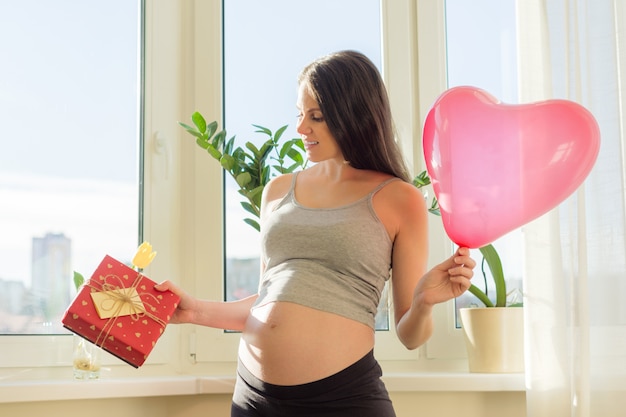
<point x="112" y="301"/>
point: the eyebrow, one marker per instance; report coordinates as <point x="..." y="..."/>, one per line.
<point x="309" y="110"/>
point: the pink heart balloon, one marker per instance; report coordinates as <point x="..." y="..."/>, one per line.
<point x="495" y="167"/>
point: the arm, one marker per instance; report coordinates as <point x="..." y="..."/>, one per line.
<point x="229" y="315"/>
<point x="444" y="282"/>
<point x="415" y="291"/>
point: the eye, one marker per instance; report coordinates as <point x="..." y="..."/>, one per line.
<point x="314" y="117"/>
<point x="317" y="117"/>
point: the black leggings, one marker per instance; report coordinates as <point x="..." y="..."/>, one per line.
<point x="357" y="391"/>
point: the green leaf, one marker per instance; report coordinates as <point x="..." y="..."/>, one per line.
<point x="201" y="142"/>
<point x="250" y="208"/>
<point x="256" y="192"/>
<point x="296" y="157"/>
<point x="279" y="133"/>
<point x="480" y="295"/>
<point x="265" y="150"/>
<point x="434" y="207"/>
<point x="280" y="169"/>
<point x="243" y="179"/>
<point x="228" y="146"/>
<point x="495" y="266"/>
<point x="292" y="168"/>
<point x="288" y="148"/>
<point x="211" y="128"/>
<point x="253" y="148"/>
<point x="199" y="121"/>
<point x="240" y="155"/>
<point x="214" y="152"/>
<point x="299" y="143"/>
<point x="191" y="130"/>
<point x="78" y="280"/>
<point x="261" y="129"/>
<point x="435" y="211"/>
<point x="227" y="162"/>
<point x="253" y="223"/>
<point x="186" y="126"/>
<point x="421" y="180"/>
<point x="218" y="139"/>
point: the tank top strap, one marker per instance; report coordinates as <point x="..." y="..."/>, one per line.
<point x="293" y="182"/>
<point x="382" y="184"/>
<point x="290" y="196"/>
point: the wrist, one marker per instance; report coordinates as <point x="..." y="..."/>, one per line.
<point x="421" y="304"/>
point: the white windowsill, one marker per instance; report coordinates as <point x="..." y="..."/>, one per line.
<point x="48" y="390"/>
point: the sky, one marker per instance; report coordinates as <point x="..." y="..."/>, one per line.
<point x="68" y="111"/>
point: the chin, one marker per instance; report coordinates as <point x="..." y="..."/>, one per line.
<point x="312" y="158"/>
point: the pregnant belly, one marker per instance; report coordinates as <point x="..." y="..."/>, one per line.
<point x="288" y="344"/>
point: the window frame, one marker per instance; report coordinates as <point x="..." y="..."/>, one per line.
<point x="182" y="67"/>
<point x="403" y="28"/>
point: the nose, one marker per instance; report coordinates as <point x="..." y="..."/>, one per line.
<point x="302" y="127"/>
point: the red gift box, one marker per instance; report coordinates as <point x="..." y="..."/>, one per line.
<point x="119" y="310"/>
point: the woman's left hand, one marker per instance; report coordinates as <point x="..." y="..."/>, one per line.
<point x="447" y="280"/>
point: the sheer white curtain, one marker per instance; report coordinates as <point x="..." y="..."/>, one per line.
<point x="575" y="273"/>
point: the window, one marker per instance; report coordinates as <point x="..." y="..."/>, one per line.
<point x="481" y="52"/>
<point x="182" y="202"/>
<point x="69" y="166"/>
<point x="266" y="44"/>
<point x="399" y="67"/>
<point x="69" y="172"/>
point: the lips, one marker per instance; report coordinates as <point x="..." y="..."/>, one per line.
<point x="310" y="143"/>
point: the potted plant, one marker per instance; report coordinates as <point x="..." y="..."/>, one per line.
<point x="252" y="167"/>
<point x="493" y="333"/>
<point x="490" y="258"/>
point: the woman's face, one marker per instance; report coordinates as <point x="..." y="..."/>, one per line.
<point x="319" y="143"/>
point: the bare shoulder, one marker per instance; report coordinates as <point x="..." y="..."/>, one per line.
<point x="275" y="190"/>
<point x="400" y="206"/>
<point x="402" y="196"/>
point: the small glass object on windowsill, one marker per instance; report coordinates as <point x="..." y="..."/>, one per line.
<point x="85" y="355"/>
<point x="86" y="359"/>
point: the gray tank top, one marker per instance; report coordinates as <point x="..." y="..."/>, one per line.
<point x="332" y="259"/>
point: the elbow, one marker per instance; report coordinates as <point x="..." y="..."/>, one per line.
<point x="411" y="345"/>
<point x="413" y="339"/>
<point x="409" y="341"/>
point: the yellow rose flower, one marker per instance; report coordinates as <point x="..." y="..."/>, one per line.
<point x="144" y="255"/>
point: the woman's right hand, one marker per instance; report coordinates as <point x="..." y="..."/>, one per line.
<point x="187" y="306"/>
<point x="231" y="315"/>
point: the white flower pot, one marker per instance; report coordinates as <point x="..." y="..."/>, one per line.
<point x="494" y="337"/>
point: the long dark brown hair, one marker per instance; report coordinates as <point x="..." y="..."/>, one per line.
<point x="353" y="99"/>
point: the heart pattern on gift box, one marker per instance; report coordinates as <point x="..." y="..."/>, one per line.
<point x="129" y="337"/>
<point x="495" y="167"/>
